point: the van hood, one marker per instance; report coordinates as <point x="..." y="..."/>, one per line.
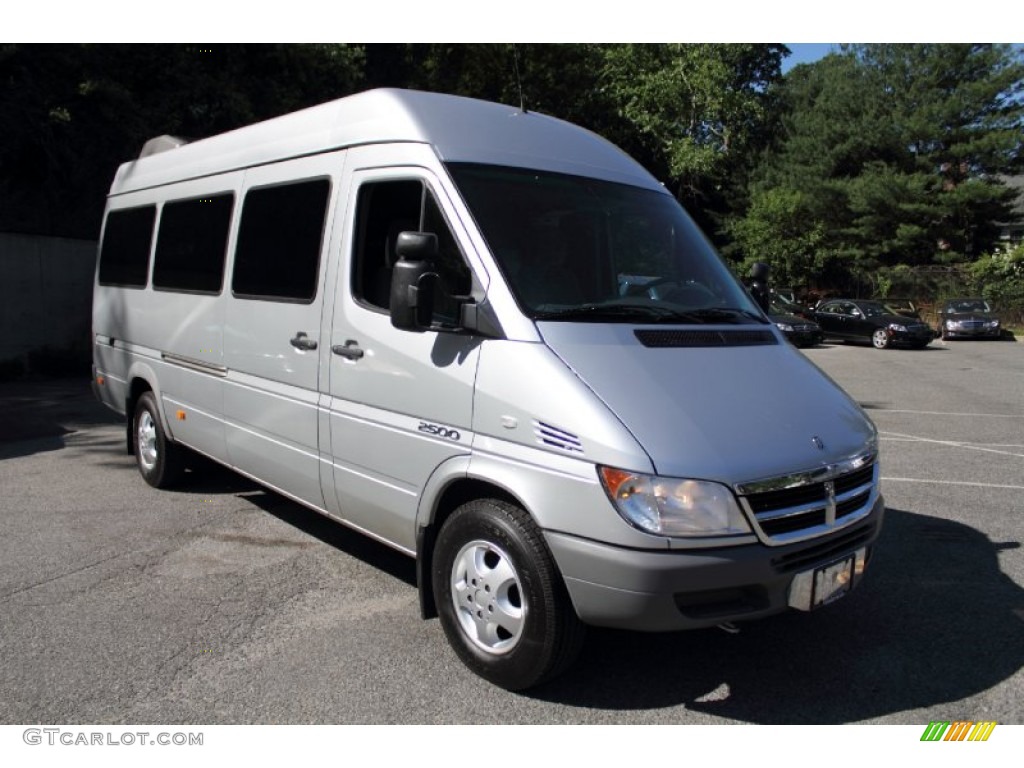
<point x="733" y="404"/>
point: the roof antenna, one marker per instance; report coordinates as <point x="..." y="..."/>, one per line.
<point x="519" y="80"/>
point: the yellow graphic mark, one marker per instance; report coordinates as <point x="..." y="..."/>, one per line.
<point x="982" y="731"/>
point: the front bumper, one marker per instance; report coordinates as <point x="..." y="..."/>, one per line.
<point x="913" y="337"/>
<point x="973" y="333"/>
<point x="667" y="590"/>
<point x="805" y="338"/>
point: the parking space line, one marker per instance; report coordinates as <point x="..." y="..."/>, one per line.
<point x="952" y="444"/>
<point x="964" y="442"/>
<point x="950" y="413"/>
<point x="950" y="482"/>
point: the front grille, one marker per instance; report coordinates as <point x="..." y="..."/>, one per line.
<point x="813" y="504"/>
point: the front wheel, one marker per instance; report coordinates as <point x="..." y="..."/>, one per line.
<point x="880" y="338"/>
<point x="500" y="598"/>
<point x="160" y="461"/>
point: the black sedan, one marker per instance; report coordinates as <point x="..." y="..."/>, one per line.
<point x="873" y="321"/>
<point x="968" y="319"/>
<point x="800" y="331"/>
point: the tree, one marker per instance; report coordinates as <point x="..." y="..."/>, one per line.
<point x="895" y="151"/>
<point x="70" y="114"/>
<point x="699" y="110"/>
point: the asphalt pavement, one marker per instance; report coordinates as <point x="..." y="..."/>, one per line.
<point x="225" y="603"/>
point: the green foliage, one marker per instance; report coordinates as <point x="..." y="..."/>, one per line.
<point x="779" y="231"/>
<point x="895" y="152"/>
<point x="70" y="114"/>
<point x="999" y="277"/>
<point x="699" y="108"/>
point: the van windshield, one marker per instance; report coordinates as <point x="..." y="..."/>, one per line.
<point x="577" y="249"/>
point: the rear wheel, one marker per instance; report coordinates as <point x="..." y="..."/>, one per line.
<point x="500" y="598"/>
<point x="880" y="338"/>
<point x="159" y="460"/>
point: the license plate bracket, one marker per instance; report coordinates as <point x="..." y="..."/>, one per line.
<point x="825" y="584"/>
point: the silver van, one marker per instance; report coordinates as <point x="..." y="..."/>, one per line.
<point x="491" y="340"/>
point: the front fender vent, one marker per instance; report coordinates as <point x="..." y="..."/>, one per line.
<point x="705" y="338"/>
<point x="557" y="438"/>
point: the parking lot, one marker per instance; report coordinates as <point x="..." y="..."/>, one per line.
<point x="225" y="603"/>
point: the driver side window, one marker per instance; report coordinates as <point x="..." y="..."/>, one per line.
<point x="384" y="209"/>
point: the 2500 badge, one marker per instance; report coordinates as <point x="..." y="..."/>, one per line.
<point x="435" y="429"/>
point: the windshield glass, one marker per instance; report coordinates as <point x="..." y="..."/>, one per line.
<point x="967" y="305"/>
<point x="582" y="250"/>
<point x="874" y="309"/>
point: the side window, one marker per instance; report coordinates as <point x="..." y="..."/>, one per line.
<point x="385" y="209"/>
<point x="124" y="255"/>
<point x="279" y="241"/>
<point x="192" y="243"/>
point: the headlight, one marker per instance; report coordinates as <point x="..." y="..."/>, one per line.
<point x="897" y="327"/>
<point x="784" y="327"/>
<point x="671" y="506"/>
<point x="993" y="324"/>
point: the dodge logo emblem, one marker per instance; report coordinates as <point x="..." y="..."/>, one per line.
<point x="818" y="443"/>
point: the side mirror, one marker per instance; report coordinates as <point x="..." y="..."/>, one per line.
<point x="412" y="281"/>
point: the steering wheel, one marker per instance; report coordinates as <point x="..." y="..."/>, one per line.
<point x="689" y="294"/>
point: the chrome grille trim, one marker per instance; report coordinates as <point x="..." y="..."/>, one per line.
<point x="816" y="475"/>
<point x="806" y="505"/>
<point x="805" y="508"/>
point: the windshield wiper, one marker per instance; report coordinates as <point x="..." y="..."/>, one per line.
<point x="597" y="313"/>
<point x="649" y="313"/>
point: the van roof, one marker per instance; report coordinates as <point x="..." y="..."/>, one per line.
<point x="460" y="130"/>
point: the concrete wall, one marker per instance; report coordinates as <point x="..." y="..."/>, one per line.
<point x="45" y="302"/>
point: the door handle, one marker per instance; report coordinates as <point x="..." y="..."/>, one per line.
<point x="302" y="341"/>
<point x="350" y="349"/>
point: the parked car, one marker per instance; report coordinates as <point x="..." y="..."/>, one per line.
<point x="968" y="319"/>
<point x="800" y="331"/>
<point x="905" y="307"/>
<point x="856" y="320"/>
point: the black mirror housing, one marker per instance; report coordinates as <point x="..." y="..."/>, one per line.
<point x="412" y="281"/>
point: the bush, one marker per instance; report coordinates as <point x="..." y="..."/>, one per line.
<point x="999" y="277"/>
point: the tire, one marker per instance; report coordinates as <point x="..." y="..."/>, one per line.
<point x="500" y="598"/>
<point x="160" y="462"/>
<point x="880" y="339"/>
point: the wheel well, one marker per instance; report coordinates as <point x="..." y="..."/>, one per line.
<point x="135" y="391"/>
<point x="454" y="496"/>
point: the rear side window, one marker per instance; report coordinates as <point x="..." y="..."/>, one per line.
<point x="192" y="243"/>
<point x="279" y="241"/>
<point x="124" y="256"/>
